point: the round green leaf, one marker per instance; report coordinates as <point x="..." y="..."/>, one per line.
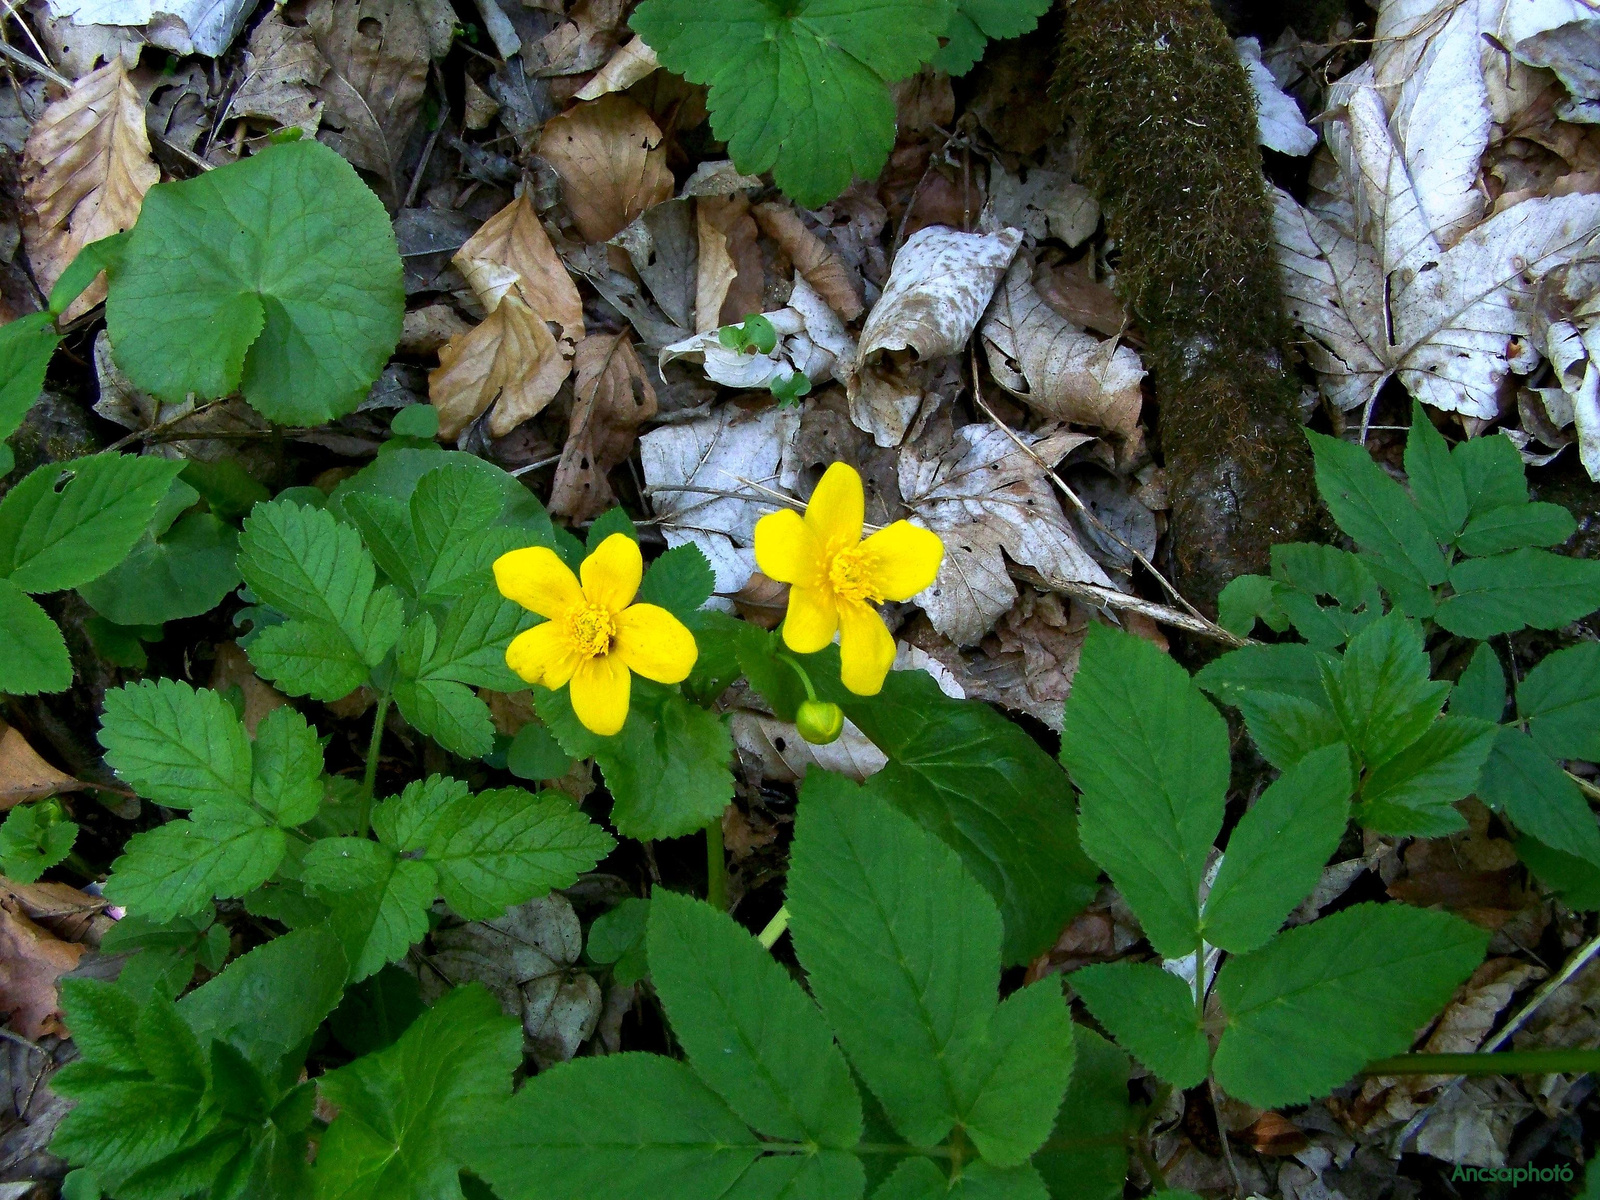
<point x="277" y="275"/>
<point x="188" y="572"/>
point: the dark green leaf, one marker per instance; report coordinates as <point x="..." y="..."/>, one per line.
<point x="1575" y="880"/>
<point x="416" y="420"/>
<point x="1436" y="484"/>
<point x="1515" y="526"/>
<point x="1086" y="1157"/>
<point x="1521" y="781"/>
<point x="97" y="256"/>
<point x="1504" y="593"/>
<point x="1305" y="572"/>
<point x="535" y="754"/>
<point x="376" y="1011"/>
<point x="1152" y="1015"/>
<point x="1415" y="791"/>
<point x="1246" y="600"/>
<point x="1560" y="701"/>
<point x="33" y="654"/>
<point x="1481" y="690"/>
<point x="617" y="939"/>
<point x="1491" y="469"/>
<point x="26" y="347"/>
<point x="188" y="571"/>
<point x="227" y="849"/>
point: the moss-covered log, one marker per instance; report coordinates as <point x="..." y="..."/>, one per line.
<point x="1168" y="122"/>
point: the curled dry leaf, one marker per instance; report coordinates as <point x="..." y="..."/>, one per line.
<point x="283" y="74"/>
<point x="182" y="26"/>
<point x="86" y="167"/>
<point x="987" y="498"/>
<point x="377" y="51"/>
<point x="1280" y="125"/>
<point x="580" y="43"/>
<point x="61" y="909"/>
<point x="24" y="775"/>
<point x="811" y="340"/>
<point x="613" y="397"/>
<point x="512" y="250"/>
<point x="31" y="960"/>
<point x="510" y="360"/>
<point x="608" y="155"/>
<point x="632" y="62"/>
<point x="823" y="269"/>
<point x="941" y="283"/>
<point x="1057" y="367"/>
<point x="730" y="277"/>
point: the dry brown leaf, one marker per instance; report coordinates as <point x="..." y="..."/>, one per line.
<point x="31" y="960"/>
<point x="24" y="775"/>
<point x="609" y="157"/>
<point x="613" y="398"/>
<point x="378" y="52"/>
<point x="714" y="271"/>
<point x="512" y="250"/>
<point x="580" y="43"/>
<point x="63" y="910"/>
<point x="727" y="228"/>
<point x="426" y="329"/>
<point x="283" y="72"/>
<point x="818" y="265"/>
<point x="1056" y="367"/>
<point x="233" y="670"/>
<point x="86" y="167"/>
<point x="510" y="360"/>
<point x="1073" y="291"/>
<point x="479" y="107"/>
<point x="632" y="62"/>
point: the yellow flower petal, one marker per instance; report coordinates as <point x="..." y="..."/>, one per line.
<point x="837" y="508"/>
<point x="812" y="620"/>
<point x="787" y="550"/>
<point x="542" y="654"/>
<point x="611" y="574"/>
<point x="654" y="643"/>
<point x="903" y="559"/>
<point x="536" y="578"/>
<point x="866" y="648"/>
<point x="600" y="690"/>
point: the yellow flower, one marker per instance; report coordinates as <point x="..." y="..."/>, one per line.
<point x="836" y="577"/>
<point x="594" y="634"/>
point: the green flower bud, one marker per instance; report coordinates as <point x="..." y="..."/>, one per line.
<point x="819" y="721"/>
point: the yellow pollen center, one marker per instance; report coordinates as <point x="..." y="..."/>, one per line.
<point x="850" y="574"/>
<point x="591" y="630"/>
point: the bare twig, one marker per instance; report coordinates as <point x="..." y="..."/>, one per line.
<point x="139" y="435"/>
<point x="1103" y="597"/>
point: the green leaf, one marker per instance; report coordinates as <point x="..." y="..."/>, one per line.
<point x="1521" y="781"/>
<point x="1491" y="470"/>
<point x="225" y="486"/>
<point x="1435" y="478"/>
<point x="59" y="537"/>
<point x="277" y="276"/>
<point x="867" y="885"/>
<point x="405" y="1111"/>
<point x="1152" y="1015"/>
<point x="286" y="780"/>
<point x="1277" y="851"/>
<point x="976" y="21"/>
<point x="535" y="754"/>
<point x="1375" y="510"/>
<point x="680" y="581"/>
<point x="1381" y="691"/>
<point x="1575" y="880"/>
<point x="1415" y="791"/>
<point x="919" y="1179"/>
<point x="748" y="1030"/>
<point x="26" y="346"/>
<point x="1504" y="593"/>
<point x="1150" y="755"/>
<point x="798" y="91"/>
<point x="163" y="955"/>
<point x="187" y="572"/>
<point x="378" y="915"/>
<point x="416" y="420"/>
<point x="617" y="939"/>
<point x="34" y="838"/>
<point x="85" y="267"/>
<point x="177" y="745"/>
<point x="407" y="821"/>
<point x="828" y="1175"/>
<point x="1516" y="525"/>
<point x="1279" y="691"/>
<point x="226" y="850"/>
<point x="1321" y="1001"/>
<point x="623" y="1126"/>
<point x="450" y="713"/>
<point x="1305" y="572"/>
<point x="33" y="654"/>
<point x="667" y="770"/>
<point x="1086" y="1157"/>
<point x="1248" y="599"/>
<point x="1481" y="690"/>
<point x="375" y="1012"/>
<point x="981" y="784"/>
<point x="1560" y="701"/>
<point x="1013" y="1087"/>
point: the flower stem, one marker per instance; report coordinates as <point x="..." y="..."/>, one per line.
<point x="811" y="692"/>
<point x="370" y="778"/>
<point x="775" y="929"/>
<point x="1509" y="1062"/>
<point x="716" y="866"/>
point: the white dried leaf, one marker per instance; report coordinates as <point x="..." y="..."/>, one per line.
<point x="811" y="340"/>
<point x="182" y="26"/>
<point x="1048" y="204"/>
<point x="776" y="748"/>
<point x="1280" y="125"/>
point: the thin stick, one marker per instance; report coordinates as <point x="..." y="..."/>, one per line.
<point x="1104" y="597"/>
<point x="1510" y="1062"/>
<point x="162" y="426"/>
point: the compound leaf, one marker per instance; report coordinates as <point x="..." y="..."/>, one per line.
<point x="1152" y="1015"/>
<point x="1380" y="690"/>
<point x="1416" y="790"/>
<point x="177" y="745"/>
<point x="1506" y="592"/>
<point x="226" y="850"/>
<point x="1560" y="701"/>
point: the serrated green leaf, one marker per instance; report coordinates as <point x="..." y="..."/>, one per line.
<point x="180" y="746"/>
<point x="407" y="821"/>
<point x="1381" y="692"/>
<point x="1277" y="851"/>
<point x="226" y="850"/>
<point x="1521" y="781"/>
<point x="162" y="955"/>
<point x="26" y="346"/>
<point x="307" y="658"/>
<point x="565" y="1136"/>
<point x="1492" y="473"/>
<point x="188" y="571"/>
<point x="1013" y="1087"/>
<point x="979" y="782"/>
<point x="276" y="275"/>
<point x="1416" y="790"/>
<point x="827" y="1175"/>
<point x="1278" y="690"/>
<point x="1150" y="754"/>
<point x="54" y="537"/>
<point x="33" y="654"/>
<point x="1504" y="593"/>
<point x="450" y="713"/>
<point x="800" y="91"/>
<point x="1435" y="478"/>
<point x="866" y="884"/>
<point x="1152" y="1015"/>
<point x="405" y="1111"/>
<point x="1319" y="1002"/>
<point x="1481" y="690"/>
<point x="1516" y="525"/>
<point x="376" y="924"/>
<point x="1248" y="599"/>
<point x="976" y="21"/>
<point x="286" y="778"/>
<point x="1086" y="1157"/>
<point x="34" y="838"/>
<point x="1306" y="572"/>
<point x="1560" y="701"/>
<point x="680" y="581"/>
<point x="748" y="1030"/>
<point x="1375" y="510"/>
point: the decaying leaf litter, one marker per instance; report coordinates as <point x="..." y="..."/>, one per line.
<point x="573" y="241"/>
